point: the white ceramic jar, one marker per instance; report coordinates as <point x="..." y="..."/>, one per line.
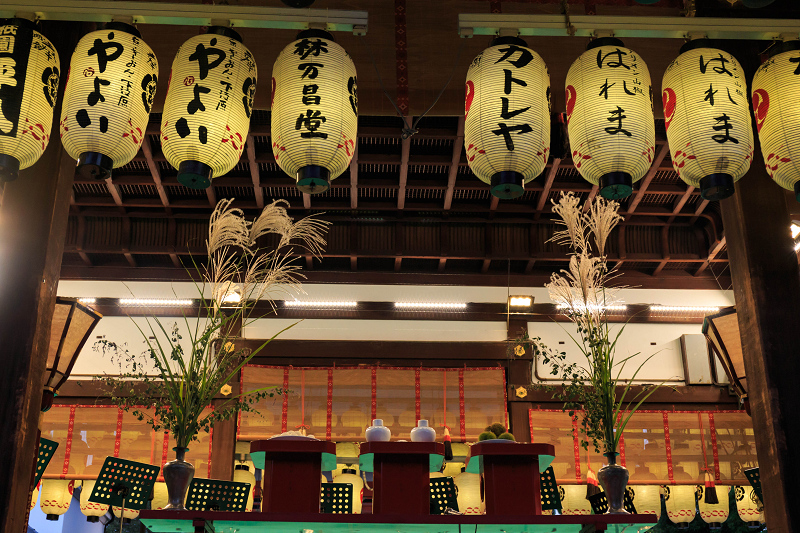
<point x="423" y="432"/>
<point x="377" y="432"/>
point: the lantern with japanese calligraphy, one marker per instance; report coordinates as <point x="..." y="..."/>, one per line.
<point x="110" y="89"/>
<point x="775" y="87"/>
<point x="55" y="497"/>
<point x="314" y="110"/>
<point x="610" y="116"/>
<point x="208" y="106"/>
<point x="507" y="116"/>
<point x="707" y="119"/>
<point x="92" y="510"/>
<point x="28" y="86"/>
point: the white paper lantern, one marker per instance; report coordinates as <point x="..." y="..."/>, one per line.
<point x="130" y="514"/>
<point x="314" y="110"/>
<point x="681" y="506"/>
<point x="92" y="510"/>
<point x="35" y="495"/>
<point x="29" y="74"/>
<point x="160" y="496"/>
<point x="573" y="500"/>
<point x="750" y="507"/>
<point x="610" y="116"/>
<point x="469" y="493"/>
<point x="775" y="90"/>
<point x="707" y="119"/>
<point x="107" y="101"/>
<point x="242" y="474"/>
<point x="350" y="475"/>
<point x="715" y="512"/>
<point x="56" y="496"/>
<point x="647" y="499"/>
<point x="208" y="106"/>
<point x="507" y="116"/>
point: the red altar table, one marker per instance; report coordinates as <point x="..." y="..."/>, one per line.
<point x="401" y="474"/>
<point x="292" y="471"/>
<point x="511" y="475"/>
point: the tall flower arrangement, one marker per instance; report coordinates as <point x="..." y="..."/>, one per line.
<point x="189" y="373"/>
<point x="590" y="388"/>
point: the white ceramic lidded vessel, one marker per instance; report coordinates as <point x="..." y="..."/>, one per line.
<point x="423" y="432"/>
<point x="377" y="432"/>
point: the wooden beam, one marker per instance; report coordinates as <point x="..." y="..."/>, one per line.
<point x="645" y="183"/>
<point x="715" y="249"/>
<point x="680" y="203"/>
<point x="664" y="251"/>
<point x="452" y="174"/>
<point x="589" y="198"/>
<point x="493" y="203"/>
<point x="405" y="151"/>
<point x="306" y="200"/>
<point x="697" y="212"/>
<point x="354" y="180"/>
<point x="548" y="183"/>
<point x="212" y="196"/>
<point x="255" y="175"/>
<point x="155" y="173"/>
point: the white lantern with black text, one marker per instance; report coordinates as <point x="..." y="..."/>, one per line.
<point x="610" y="116"/>
<point x="507" y="116"/>
<point x="108" y="98"/>
<point x="29" y="74"/>
<point x="775" y="91"/>
<point x="314" y="110"/>
<point x="707" y="119"/>
<point x="208" y="106"/>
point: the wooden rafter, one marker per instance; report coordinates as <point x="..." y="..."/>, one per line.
<point x="452" y="174"/>
<point x="405" y="151"/>
<point x="645" y="183"/>
<point x="255" y="175"/>
<point x="548" y="184"/>
<point x="712" y="254"/>
<point x="354" y="180"/>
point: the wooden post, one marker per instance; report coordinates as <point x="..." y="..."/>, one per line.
<point x="33" y="226"/>
<point x="766" y="285"/>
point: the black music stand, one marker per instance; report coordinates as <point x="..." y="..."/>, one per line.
<point x="124" y="483"/>
<point x="47" y="448"/>
<point x="216" y="495"/>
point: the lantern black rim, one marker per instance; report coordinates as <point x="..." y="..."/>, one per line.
<point x="123" y="26"/>
<point x="92" y="518"/>
<point x="716" y="187"/>
<point x="507" y="185"/>
<point x="241" y="467"/>
<point x="786" y="46"/>
<point x="348" y="470"/>
<point x="312" y="33"/>
<point x="21" y="22"/>
<point x="616" y="185"/>
<point x="94" y="165"/>
<point x="9" y="168"/>
<point x="225" y="31"/>
<point x="194" y="174"/>
<point x="52" y="517"/>
<point x="313" y="179"/>
<point x="797" y="191"/>
<point x="507" y="39"/>
<point x="604" y="41"/>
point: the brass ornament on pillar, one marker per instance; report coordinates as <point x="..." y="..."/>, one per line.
<point x="314" y="110"/>
<point x="507" y="116"/>
<point x="28" y="90"/>
<point x="707" y="119"/>
<point x="610" y="116"/>
<point x="108" y="98"/>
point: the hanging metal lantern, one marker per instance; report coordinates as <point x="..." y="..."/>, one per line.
<point x="774" y="91"/>
<point x="28" y="86"/>
<point x="242" y="474"/>
<point x="56" y="496"/>
<point x="208" y="106"/>
<point x="707" y="119"/>
<point x="350" y="475"/>
<point x="92" y="510"/>
<point x="469" y="493"/>
<point x="314" y="110"/>
<point x="507" y="116"/>
<point x="107" y="101"/>
<point x="610" y="116"/>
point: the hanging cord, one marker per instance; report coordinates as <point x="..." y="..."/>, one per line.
<point x="567" y="22"/>
<point x="409" y="130"/>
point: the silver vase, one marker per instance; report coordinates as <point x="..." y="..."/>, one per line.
<point x="177" y="475"/>
<point x="614" y="480"/>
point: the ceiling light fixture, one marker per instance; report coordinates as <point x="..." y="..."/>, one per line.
<point x="685" y="308"/>
<point x="438" y="306"/>
<point x="155" y="302"/>
<point x="593" y="307"/>
<point x="520" y="301"/>
<point x="319" y="304"/>
<point x="87" y="301"/>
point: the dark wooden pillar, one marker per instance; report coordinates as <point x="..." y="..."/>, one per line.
<point x="33" y="226"/>
<point x="766" y="284"/>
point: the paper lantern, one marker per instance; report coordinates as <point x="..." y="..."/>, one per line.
<point x="208" y="106"/>
<point x="647" y="499"/>
<point x="707" y="119"/>
<point x="507" y="116"/>
<point x="715" y="512"/>
<point x="107" y="102"/>
<point x="242" y="474"/>
<point x="453" y="469"/>
<point x="130" y="514"/>
<point x="350" y="475"/>
<point x="610" y="116"/>
<point x="573" y="500"/>
<point x="680" y="501"/>
<point x="28" y="88"/>
<point x="35" y="495"/>
<point x="56" y="496"/>
<point x="92" y="510"/>
<point x="160" y="496"/>
<point x="314" y="110"/>
<point x="775" y="87"/>
<point x="469" y="493"/>
<point x="750" y="507"/>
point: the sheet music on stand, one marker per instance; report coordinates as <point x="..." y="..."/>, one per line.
<point x="125" y="484"/>
<point x="217" y="495"/>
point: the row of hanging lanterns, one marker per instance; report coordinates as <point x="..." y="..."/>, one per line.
<point x="112" y="83"/>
